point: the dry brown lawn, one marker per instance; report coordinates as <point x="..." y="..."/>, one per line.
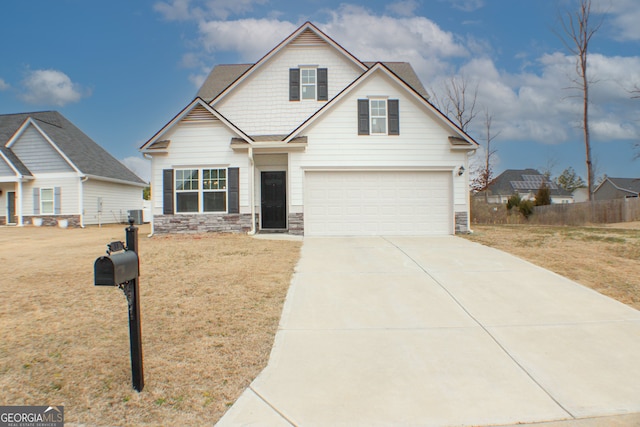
<point x="210" y="308"/>
<point x="605" y="258"/>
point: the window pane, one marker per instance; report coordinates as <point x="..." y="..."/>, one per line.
<point x="308" y="92"/>
<point x="186" y="179"/>
<point x="378" y="125"/>
<point x="215" y="201"/>
<point x="214" y="179"/>
<point x="187" y="202"/>
<point x="47" y="208"/>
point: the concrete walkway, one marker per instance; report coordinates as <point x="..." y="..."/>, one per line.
<point x="439" y="331"/>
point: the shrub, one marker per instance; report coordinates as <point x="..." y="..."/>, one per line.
<point x="543" y="196"/>
<point x="513" y="202"/>
<point x="526" y="208"/>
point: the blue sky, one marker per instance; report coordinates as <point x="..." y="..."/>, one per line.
<point x="120" y="70"/>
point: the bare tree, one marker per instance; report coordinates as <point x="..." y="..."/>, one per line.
<point x="458" y="102"/>
<point x="578" y="31"/>
<point x="484" y="174"/>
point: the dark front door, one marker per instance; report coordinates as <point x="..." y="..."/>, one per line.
<point x="274" y="200"/>
<point x="11" y="207"/>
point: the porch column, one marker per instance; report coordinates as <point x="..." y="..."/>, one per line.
<point x="19" y="204"/>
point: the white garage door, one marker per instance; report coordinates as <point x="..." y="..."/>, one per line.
<point x="377" y="203"/>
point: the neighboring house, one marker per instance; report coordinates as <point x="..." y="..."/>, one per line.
<point x="617" y="188"/>
<point x="50" y="171"/>
<point x="525" y="183"/>
<point x="580" y="195"/>
<point x="311" y="140"/>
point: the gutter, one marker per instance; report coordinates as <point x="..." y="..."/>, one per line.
<point x="253" y="192"/>
<point x="82" y="180"/>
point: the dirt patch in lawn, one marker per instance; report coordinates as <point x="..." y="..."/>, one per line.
<point x="606" y="259"/>
<point x="210" y="308"/>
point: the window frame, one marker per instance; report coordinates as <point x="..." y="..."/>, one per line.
<point x="314" y="84"/>
<point x="43" y="201"/>
<point x="384" y="118"/>
<point x="200" y="189"/>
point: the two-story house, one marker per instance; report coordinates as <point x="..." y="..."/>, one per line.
<point x="313" y="141"/>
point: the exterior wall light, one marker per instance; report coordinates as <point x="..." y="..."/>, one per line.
<point x="461" y="171"/>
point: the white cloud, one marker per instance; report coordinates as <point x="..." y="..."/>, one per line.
<point x="467" y="5"/>
<point x="140" y="166"/>
<point x="4" y="85"/>
<point x="50" y="87"/>
<point x="250" y="38"/>
<point x="403" y="7"/>
<point x="183" y="10"/>
<point x="621" y="17"/>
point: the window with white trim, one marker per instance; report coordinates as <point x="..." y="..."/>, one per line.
<point x="201" y="190"/>
<point x="187" y="189"/>
<point x="214" y="190"/>
<point x="378" y="116"/>
<point x="308" y="83"/>
<point x="47" y="201"/>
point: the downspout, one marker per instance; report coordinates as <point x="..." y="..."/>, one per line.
<point x="253" y="192"/>
<point x="81" y="200"/>
<point x="147" y="156"/>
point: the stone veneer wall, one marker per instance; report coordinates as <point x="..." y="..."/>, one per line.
<point x="52" y="220"/>
<point x="296" y="224"/>
<point x="462" y="223"/>
<point x="202" y="223"/>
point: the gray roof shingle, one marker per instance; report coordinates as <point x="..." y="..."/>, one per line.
<point x="629" y="184"/>
<point x="89" y="157"/>
<point x="522" y="180"/>
<point x="222" y="76"/>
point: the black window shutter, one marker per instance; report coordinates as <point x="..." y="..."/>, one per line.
<point x="294" y="84"/>
<point x="323" y="84"/>
<point x="233" y="193"/>
<point x="394" y="117"/>
<point x="363" y="117"/>
<point x="167" y="191"/>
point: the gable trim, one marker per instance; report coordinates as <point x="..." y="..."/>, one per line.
<point x="23" y="128"/>
<point x="382" y="68"/>
<point x="304" y="27"/>
<point x="182" y="114"/>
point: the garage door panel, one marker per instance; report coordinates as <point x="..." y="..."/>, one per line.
<point x="378" y="203"/>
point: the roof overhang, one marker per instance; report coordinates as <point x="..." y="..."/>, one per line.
<point x="116" y="181"/>
<point x="268" y="144"/>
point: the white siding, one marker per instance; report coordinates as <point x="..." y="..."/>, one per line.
<point x="5" y="170"/>
<point x="69" y="192"/>
<point x="423" y="143"/>
<point x="37" y="154"/>
<point x="260" y="105"/>
<point x="117" y="200"/>
<point x="199" y="144"/>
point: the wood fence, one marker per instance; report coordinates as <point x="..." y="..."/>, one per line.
<point x="599" y="212"/>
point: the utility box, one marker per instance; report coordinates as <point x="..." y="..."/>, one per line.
<point x="116" y="269"/>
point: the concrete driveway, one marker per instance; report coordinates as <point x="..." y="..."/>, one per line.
<point x="439" y="331"/>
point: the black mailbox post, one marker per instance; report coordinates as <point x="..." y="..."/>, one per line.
<point x="121" y="268"/>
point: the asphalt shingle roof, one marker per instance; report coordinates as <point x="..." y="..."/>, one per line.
<point x="522" y="180"/>
<point x="224" y="75"/>
<point x="630" y="184"/>
<point x="89" y="157"/>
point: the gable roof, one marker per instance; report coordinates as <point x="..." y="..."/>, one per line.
<point x="85" y="154"/>
<point x="304" y="33"/>
<point x="469" y="142"/>
<point x="631" y="185"/>
<point x="198" y="103"/>
<point x="523" y="181"/>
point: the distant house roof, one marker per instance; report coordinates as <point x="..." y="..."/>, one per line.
<point x="514" y="181"/>
<point x="632" y="185"/>
<point x="225" y="74"/>
<point x="85" y="154"/>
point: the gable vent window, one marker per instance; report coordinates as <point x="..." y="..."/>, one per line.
<point x="308" y="83"/>
<point x="378" y="116"/>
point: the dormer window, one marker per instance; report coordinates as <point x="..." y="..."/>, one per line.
<point x="308" y="83"/>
